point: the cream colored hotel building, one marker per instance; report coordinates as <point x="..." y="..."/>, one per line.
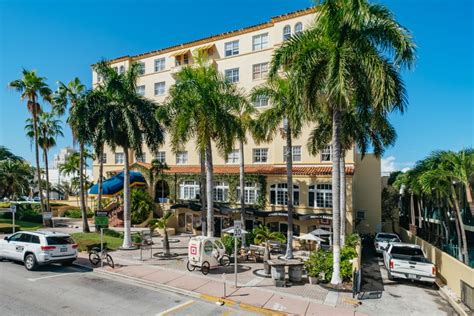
<point x="243" y="56"/>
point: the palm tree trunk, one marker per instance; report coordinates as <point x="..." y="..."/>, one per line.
<point x="202" y="160"/>
<point x="470" y="203"/>
<point x="336" y="192"/>
<point x="420" y="213"/>
<point x="46" y="167"/>
<point x="289" y="178"/>
<point x="412" y="210"/>
<point x="38" y="169"/>
<point x="209" y="187"/>
<point x="242" y="186"/>
<point x="461" y="227"/>
<point x="342" y="172"/>
<point x="166" y="243"/>
<point x="127" y="220"/>
<point x="85" y="223"/>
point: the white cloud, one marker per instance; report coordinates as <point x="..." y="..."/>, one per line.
<point x="389" y="164"/>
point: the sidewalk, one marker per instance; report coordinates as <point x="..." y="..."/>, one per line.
<point x="252" y="291"/>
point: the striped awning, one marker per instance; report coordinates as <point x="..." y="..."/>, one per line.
<point x="203" y="48"/>
<point x="180" y="53"/>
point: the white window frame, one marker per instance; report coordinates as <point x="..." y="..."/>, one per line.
<point x="160" y="64"/>
<point x="233" y="157"/>
<point x="220" y="192"/>
<point x="259" y="41"/>
<point x="122" y="69"/>
<point x="231" y="48"/>
<point x="188" y="190"/>
<point x="181" y="157"/>
<point x="160" y="88"/>
<point x="260" y="155"/>
<point x="119" y="158"/>
<point x="161" y="156"/>
<point x="140" y="158"/>
<point x="322" y="195"/>
<point x="326" y="153"/>
<point x="296" y="153"/>
<point x="286" y="32"/>
<point x="141" y="70"/>
<point x="104" y="158"/>
<point x="259" y="71"/>
<point x="141" y="90"/>
<point x="232" y="75"/>
<point x="298" y="28"/>
<point x="260" y="101"/>
<point x="251" y="191"/>
<point x="281" y="194"/>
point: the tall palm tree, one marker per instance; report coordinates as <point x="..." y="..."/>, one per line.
<point x="32" y="87"/>
<point x="200" y="109"/>
<point x="287" y="110"/>
<point x="350" y="57"/>
<point x="129" y="121"/>
<point x="49" y="128"/>
<point x="74" y="94"/>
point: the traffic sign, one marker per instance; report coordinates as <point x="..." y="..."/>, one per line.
<point x="47" y="215"/>
<point x="101" y="219"/>
<point x="13" y="208"/>
<point x="237" y="229"/>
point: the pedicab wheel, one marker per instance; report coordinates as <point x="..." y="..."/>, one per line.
<point x="225" y="260"/>
<point x="190" y="267"/>
<point x="110" y="262"/>
<point x="205" y="267"/>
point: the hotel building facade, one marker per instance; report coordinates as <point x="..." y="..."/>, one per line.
<point x="243" y="56"/>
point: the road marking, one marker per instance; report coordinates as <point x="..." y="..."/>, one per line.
<point x="50" y="276"/>
<point x="176" y="308"/>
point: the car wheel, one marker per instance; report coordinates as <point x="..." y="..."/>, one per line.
<point x="30" y="262"/>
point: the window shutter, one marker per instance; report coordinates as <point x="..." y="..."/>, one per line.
<point x="272" y="197"/>
<point x="311" y="199"/>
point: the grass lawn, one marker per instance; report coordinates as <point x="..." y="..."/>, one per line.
<point x="5" y="223"/>
<point x="88" y="240"/>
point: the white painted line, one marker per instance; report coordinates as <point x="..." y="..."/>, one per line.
<point x="51" y="276"/>
<point x="175" y="308"/>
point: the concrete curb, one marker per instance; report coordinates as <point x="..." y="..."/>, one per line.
<point x="205" y="297"/>
<point x="454" y="304"/>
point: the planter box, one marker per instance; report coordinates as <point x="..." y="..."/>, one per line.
<point x="313" y="280"/>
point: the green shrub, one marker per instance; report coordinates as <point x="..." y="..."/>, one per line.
<point x="228" y="241"/>
<point x="249" y="238"/>
<point x="136" y="238"/>
<point x="4" y="204"/>
<point x="73" y="213"/>
<point x="141" y="204"/>
<point x="26" y="212"/>
<point x="113" y="233"/>
<point x="319" y="263"/>
<point x="352" y="240"/>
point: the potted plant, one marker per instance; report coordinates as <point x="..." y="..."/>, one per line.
<point x="263" y="235"/>
<point x="162" y="224"/>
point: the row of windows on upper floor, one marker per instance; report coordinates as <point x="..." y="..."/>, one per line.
<point x="319" y="195"/>
<point x="232" y="48"/>
<point x="259" y="155"/>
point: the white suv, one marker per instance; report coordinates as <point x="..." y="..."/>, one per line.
<point x="39" y="248"/>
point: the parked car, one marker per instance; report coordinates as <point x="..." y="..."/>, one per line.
<point x="408" y="261"/>
<point x="38" y="248"/>
<point x="382" y="241"/>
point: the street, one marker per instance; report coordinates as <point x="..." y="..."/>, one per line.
<point x="57" y="290"/>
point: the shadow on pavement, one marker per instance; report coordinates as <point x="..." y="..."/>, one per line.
<point x="372" y="284"/>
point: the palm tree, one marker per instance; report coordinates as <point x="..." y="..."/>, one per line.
<point x="74" y="94"/>
<point x="263" y="235"/>
<point x="15" y="177"/>
<point x="287" y="110"/>
<point x="5" y="153"/>
<point x="200" y="108"/>
<point x="32" y="88"/>
<point x="350" y="57"/>
<point x="129" y="121"/>
<point x="49" y="128"/>
<point x="162" y="223"/>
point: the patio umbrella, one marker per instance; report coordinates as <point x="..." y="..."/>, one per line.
<point x="320" y="232"/>
<point x="230" y="230"/>
<point x="309" y="237"/>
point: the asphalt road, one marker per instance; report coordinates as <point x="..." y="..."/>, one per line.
<point x="56" y="290"/>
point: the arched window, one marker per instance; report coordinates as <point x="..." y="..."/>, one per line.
<point x="279" y="194"/>
<point x="252" y="191"/>
<point x="298" y="28"/>
<point x="188" y="190"/>
<point x="286" y="32"/>
<point x="221" y="191"/>
<point x="320" y="195"/>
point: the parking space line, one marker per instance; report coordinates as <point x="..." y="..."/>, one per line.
<point x="50" y="277"/>
<point x="176" y="308"/>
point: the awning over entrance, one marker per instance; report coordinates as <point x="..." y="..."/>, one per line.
<point x="114" y="185"/>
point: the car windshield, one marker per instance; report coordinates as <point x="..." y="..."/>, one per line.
<point x="59" y="240"/>
<point x="407" y="251"/>
<point x="387" y="237"/>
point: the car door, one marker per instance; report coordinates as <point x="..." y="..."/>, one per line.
<point x="10" y="247"/>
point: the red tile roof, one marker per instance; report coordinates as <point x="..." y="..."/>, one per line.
<point x="255" y="169"/>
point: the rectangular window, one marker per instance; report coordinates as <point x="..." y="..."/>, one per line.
<point x="121" y="69"/>
<point x="260" y="41"/>
<point x="104" y="158"/>
<point x="119" y="158"/>
<point x="259" y="71"/>
<point x="326" y="153"/>
<point x="141" y="90"/>
<point x="160" y="64"/>
<point x="141" y="70"/>
<point x="141" y="158"/>
<point x="260" y="101"/>
<point x="260" y="154"/>
<point x="160" y="88"/>
<point x="161" y="156"/>
<point x="116" y="69"/>
<point x="232" y="75"/>
<point x="296" y="153"/>
<point x="181" y="157"/>
<point x="233" y="156"/>
<point x="231" y="48"/>
<point x="324" y="195"/>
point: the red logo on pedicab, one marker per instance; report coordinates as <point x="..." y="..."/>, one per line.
<point x="193" y="249"/>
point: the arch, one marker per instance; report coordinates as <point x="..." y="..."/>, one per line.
<point x="162" y="191"/>
<point x="298" y="28"/>
<point x="286" y="32"/>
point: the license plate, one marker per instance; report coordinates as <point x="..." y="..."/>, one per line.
<point x="412" y="276"/>
<point x="63" y="249"/>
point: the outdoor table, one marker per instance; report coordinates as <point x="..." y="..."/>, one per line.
<point x="295" y="269"/>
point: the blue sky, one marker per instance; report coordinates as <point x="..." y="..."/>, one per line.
<point x="61" y="39"/>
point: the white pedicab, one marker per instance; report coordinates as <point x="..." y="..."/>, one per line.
<point x="206" y="253"/>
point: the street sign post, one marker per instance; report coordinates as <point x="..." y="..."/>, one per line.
<point x="101" y="219"/>
<point x="237" y="235"/>
<point x="13" y="210"/>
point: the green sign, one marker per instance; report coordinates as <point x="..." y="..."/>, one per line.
<point x="101" y="219"/>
